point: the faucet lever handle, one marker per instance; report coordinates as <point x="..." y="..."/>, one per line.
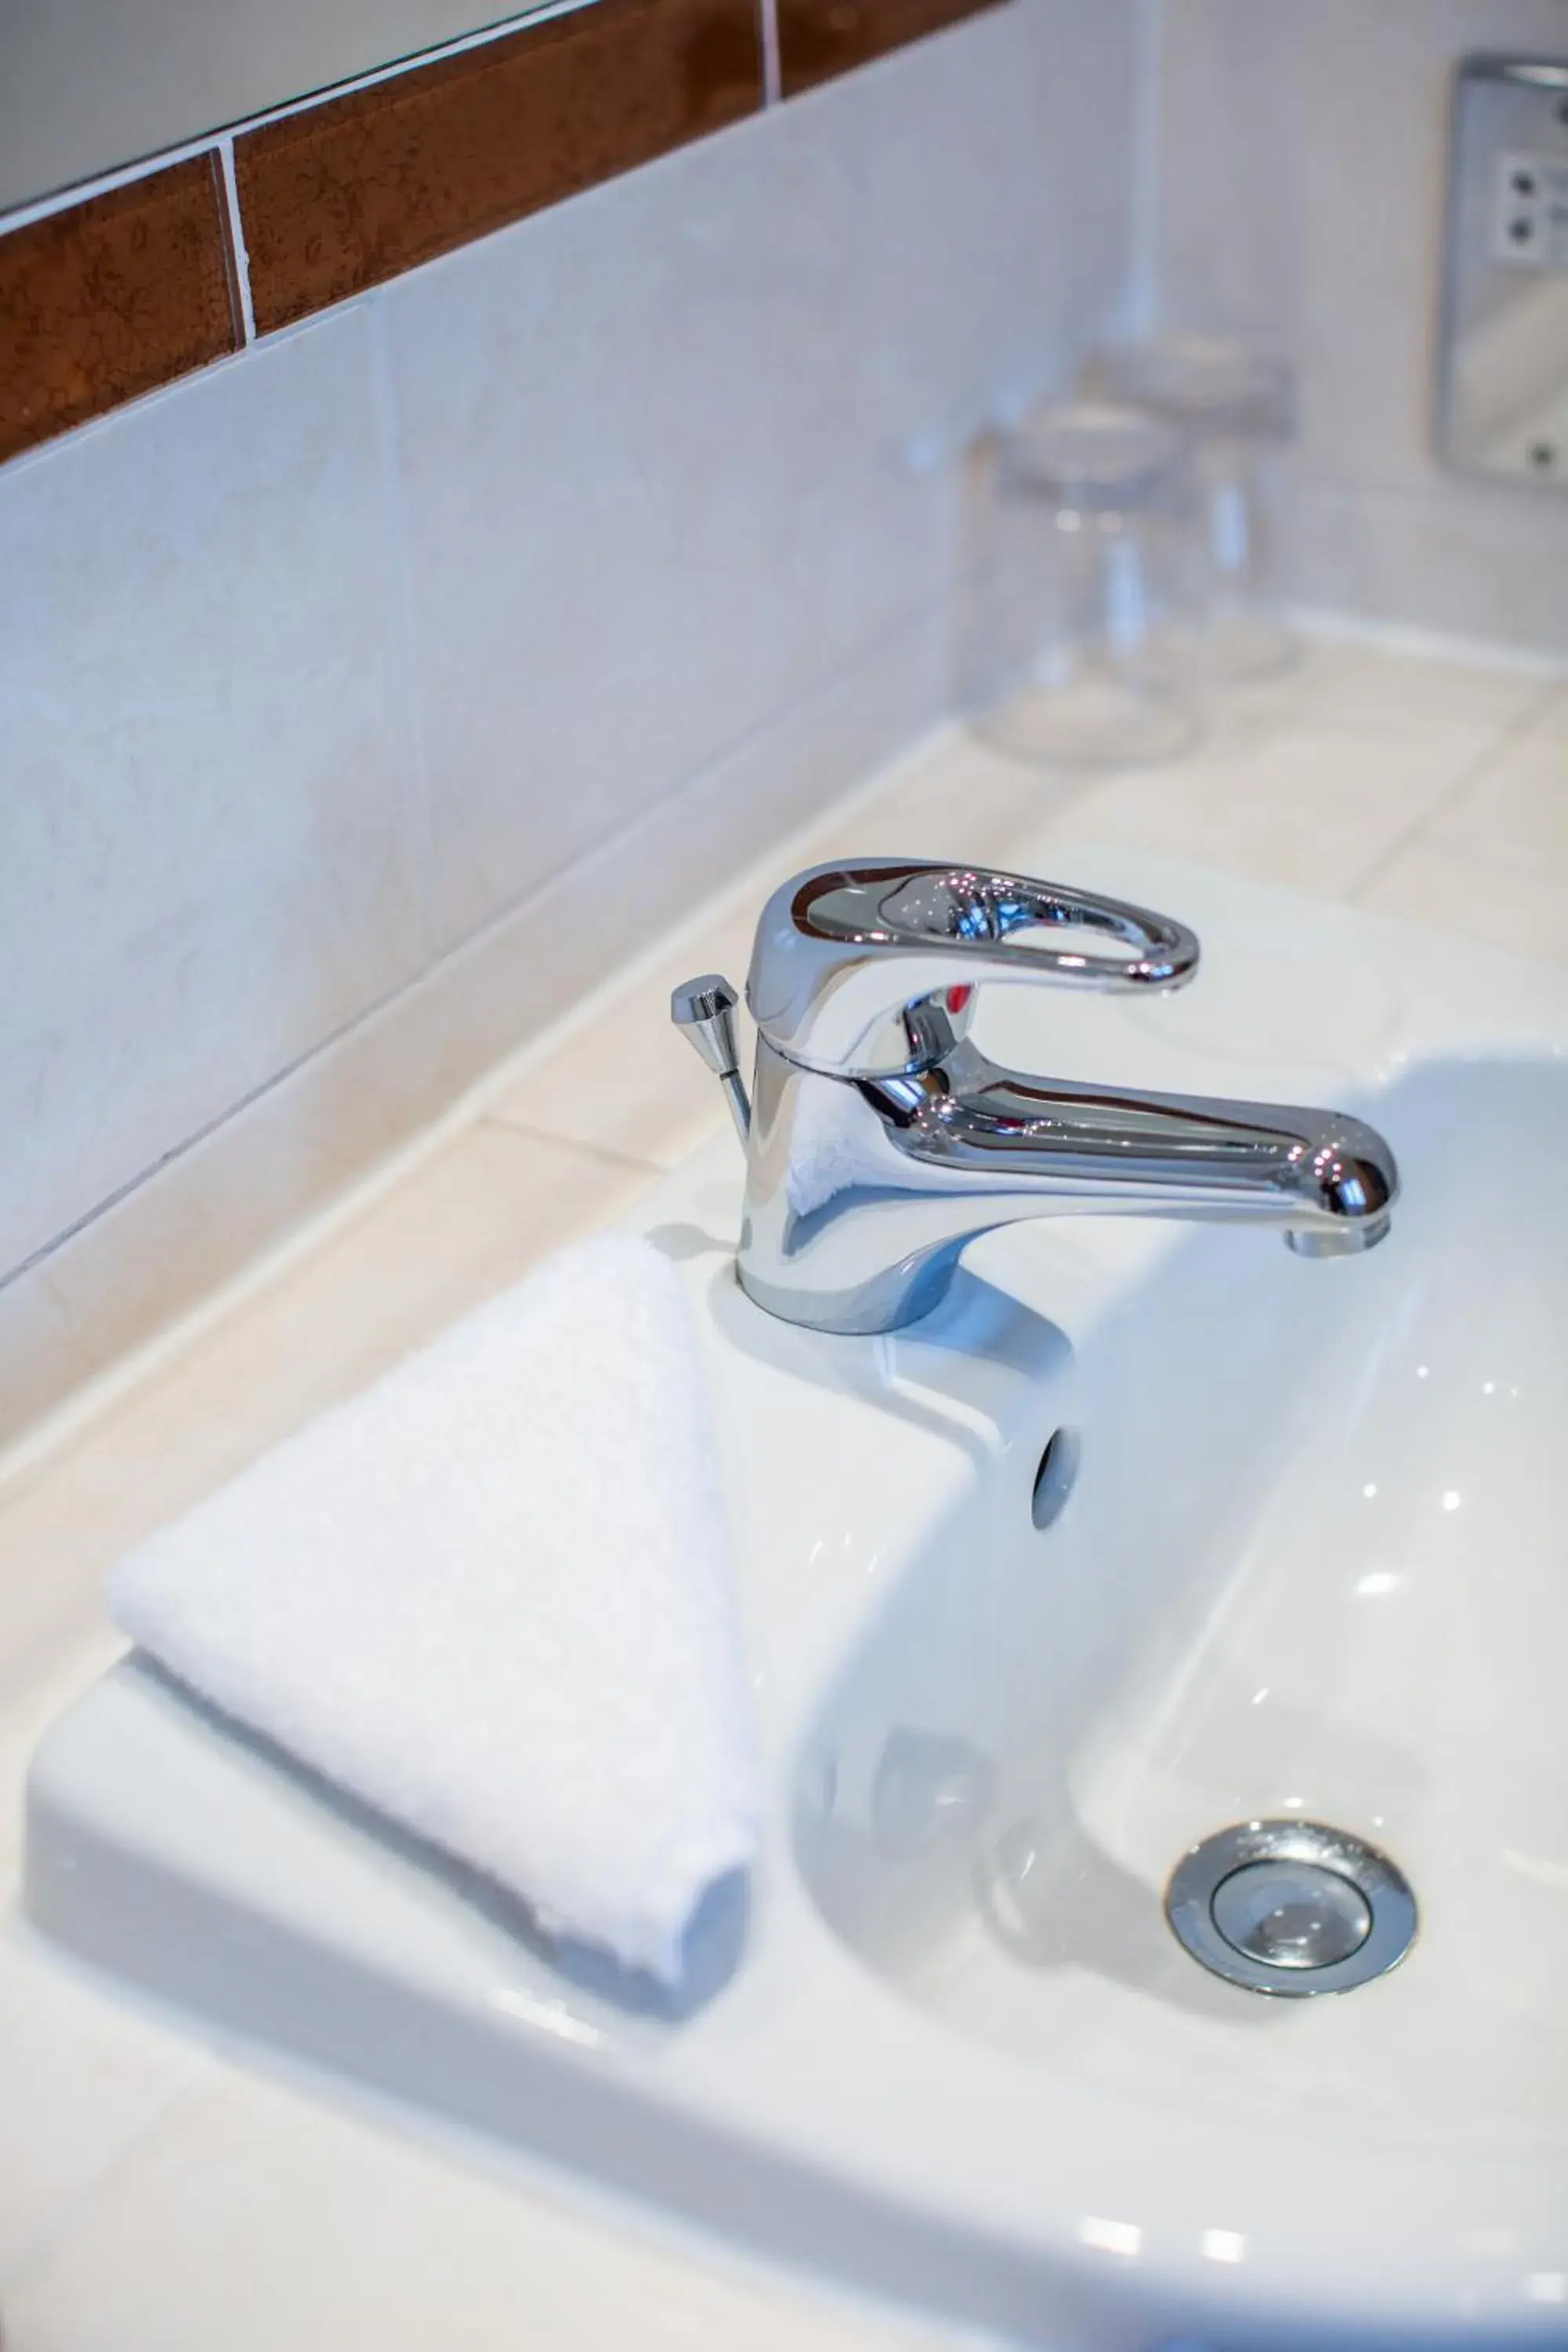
<point x="843" y="952"/>
<point x="704" y="1011"/>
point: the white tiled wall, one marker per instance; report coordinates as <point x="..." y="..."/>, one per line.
<point x="442" y="645"/>
<point x="1299" y="178"/>
<point x="658" y="456"/>
<point x="211" y="844"/>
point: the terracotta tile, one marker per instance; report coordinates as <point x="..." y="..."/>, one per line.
<point x="343" y="194"/>
<point x="819" y="38"/>
<point x="112" y="298"/>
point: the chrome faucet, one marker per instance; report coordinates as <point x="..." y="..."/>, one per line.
<point x="879" y="1139"/>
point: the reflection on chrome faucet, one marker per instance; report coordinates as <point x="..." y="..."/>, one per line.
<point x="881" y="1139"/>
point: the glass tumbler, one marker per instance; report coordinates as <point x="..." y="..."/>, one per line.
<point x="1062" y="667"/>
<point x="1235" y="407"/>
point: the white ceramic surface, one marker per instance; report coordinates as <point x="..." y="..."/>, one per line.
<point x="1078" y="2140"/>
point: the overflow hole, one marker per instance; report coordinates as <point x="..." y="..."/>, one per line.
<point x="1054" y="1478"/>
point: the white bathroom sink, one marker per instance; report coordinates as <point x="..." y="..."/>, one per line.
<point x="1306" y="1563"/>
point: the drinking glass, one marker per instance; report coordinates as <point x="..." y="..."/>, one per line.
<point x="1063" y="668"/>
<point x="1236" y="409"/>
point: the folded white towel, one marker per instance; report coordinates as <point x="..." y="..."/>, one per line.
<point x="492" y="1597"/>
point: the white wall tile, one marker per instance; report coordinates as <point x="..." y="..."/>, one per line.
<point x="656" y="442"/>
<point x="1466" y="559"/>
<point x="205" y="794"/>
<point x="1301" y="159"/>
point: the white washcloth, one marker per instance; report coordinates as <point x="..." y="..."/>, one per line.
<point x="492" y="1597"/>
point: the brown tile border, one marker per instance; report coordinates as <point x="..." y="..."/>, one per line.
<point x="113" y="297"/>
<point x="348" y="193"/>
<point x="119" y="293"/>
<point x="820" y="38"/>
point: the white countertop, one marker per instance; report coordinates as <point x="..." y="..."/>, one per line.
<point x="158" y="2193"/>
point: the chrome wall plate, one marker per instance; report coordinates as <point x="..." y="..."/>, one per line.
<point x="1503" y="391"/>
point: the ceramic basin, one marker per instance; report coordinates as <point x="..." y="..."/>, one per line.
<point x="1310" y="1565"/>
<point x="1302" y="1557"/>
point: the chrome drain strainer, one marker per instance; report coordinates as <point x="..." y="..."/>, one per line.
<point x="1290" y="1908"/>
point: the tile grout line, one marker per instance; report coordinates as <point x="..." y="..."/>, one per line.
<point x="1409" y="641"/>
<point x="38" y="1258"/>
<point x="395" y="490"/>
<point x="1508" y="736"/>
<point x="607" y="1156"/>
<point x="106" y="184"/>
<point x="237" y="245"/>
<point x="1142" y="299"/>
<point x="772" y="69"/>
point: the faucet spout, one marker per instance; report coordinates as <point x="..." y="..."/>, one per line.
<point x="1321" y="1174"/>
<point x="861" y="1194"/>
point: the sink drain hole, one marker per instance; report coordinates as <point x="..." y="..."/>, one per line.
<point x="1056" y="1477"/>
<point x="1291" y="1914"/>
<point x="1290" y="1908"/>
